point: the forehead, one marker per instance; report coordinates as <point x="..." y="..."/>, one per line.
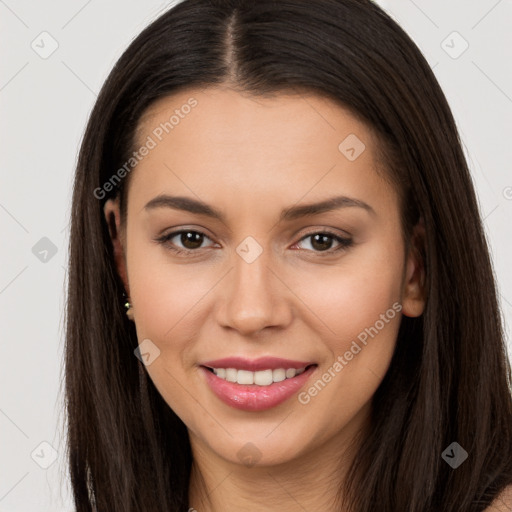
<point x="217" y="141"/>
<point x="235" y="117"/>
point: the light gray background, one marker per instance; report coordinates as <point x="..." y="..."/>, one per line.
<point x="45" y="103"/>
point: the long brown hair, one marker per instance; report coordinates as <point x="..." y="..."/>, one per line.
<point x="449" y="379"/>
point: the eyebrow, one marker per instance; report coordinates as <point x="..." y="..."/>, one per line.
<point x="190" y="205"/>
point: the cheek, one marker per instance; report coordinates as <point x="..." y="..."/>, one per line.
<point x="359" y="309"/>
<point x="351" y="296"/>
<point x="167" y="297"/>
<point x="167" y="300"/>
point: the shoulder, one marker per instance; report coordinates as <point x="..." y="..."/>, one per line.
<point x="503" y="503"/>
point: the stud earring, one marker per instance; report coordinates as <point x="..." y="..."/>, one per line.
<point x="129" y="309"/>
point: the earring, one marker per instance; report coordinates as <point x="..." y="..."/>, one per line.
<point x="128" y="306"/>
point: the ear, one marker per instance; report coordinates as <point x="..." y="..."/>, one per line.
<point x="413" y="291"/>
<point x="113" y="218"/>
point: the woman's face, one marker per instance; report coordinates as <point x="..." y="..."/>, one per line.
<point x="291" y="250"/>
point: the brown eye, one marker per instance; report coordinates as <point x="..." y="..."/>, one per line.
<point x="323" y="242"/>
<point x="191" y="239"/>
<point x="186" y="240"/>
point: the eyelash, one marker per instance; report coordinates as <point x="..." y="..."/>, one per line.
<point x="344" y="243"/>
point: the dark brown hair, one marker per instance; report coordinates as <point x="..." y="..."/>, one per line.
<point x="449" y="378"/>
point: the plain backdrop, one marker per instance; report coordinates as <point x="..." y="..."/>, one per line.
<point x="55" y="56"/>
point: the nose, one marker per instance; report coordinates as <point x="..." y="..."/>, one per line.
<point x="253" y="297"/>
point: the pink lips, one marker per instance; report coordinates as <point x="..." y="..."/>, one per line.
<point x="252" y="397"/>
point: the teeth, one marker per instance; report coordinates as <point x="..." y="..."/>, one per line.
<point x="278" y="375"/>
<point x="245" y="377"/>
<point x="263" y="378"/>
<point x="231" y="374"/>
<point x="290" y="373"/>
<point x="260" y="378"/>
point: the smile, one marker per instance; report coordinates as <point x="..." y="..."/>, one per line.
<point x="258" y="389"/>
<point x="260" y="378"/>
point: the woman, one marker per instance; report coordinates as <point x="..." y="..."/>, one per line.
<point x="277" y="193"/>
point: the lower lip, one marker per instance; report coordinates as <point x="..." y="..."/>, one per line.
<point x="252" y="397"/>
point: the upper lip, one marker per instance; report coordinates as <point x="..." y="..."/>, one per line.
<point x="253" y="365"/>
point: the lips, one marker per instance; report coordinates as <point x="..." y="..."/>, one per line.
<point x="256" y="397"/>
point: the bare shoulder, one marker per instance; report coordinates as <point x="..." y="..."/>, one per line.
<point x="503" y="503"/>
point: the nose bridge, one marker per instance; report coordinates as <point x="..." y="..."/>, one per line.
<point x="252" y="294"/>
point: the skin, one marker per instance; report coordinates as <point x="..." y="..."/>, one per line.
<point x="251" y="158"/>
